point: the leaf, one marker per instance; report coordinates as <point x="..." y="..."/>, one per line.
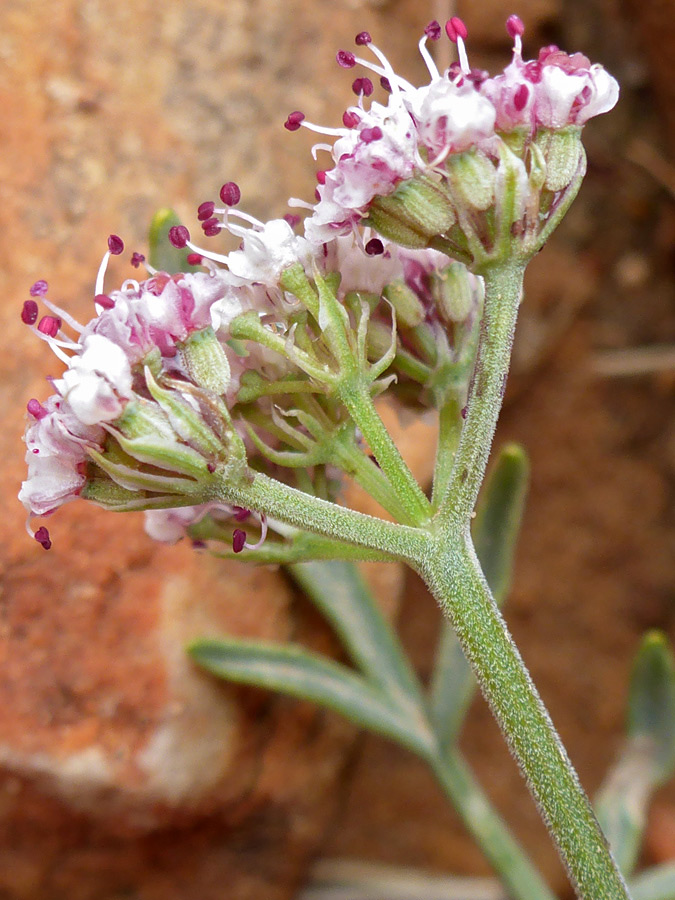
<point x="341" y="595"/>
<point x="495" y="533"/>
<point x="647" y="756"/>
<point x="299" y="673"/>
<point x="162" y="255"/>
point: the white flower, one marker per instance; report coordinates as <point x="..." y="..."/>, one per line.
<point x="97" y="385"/>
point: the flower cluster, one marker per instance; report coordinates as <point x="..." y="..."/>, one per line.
<point x="424" y="164"/>
<point x="251" y="363"/>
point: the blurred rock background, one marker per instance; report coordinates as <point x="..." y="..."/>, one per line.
<point x="124" y="772"/>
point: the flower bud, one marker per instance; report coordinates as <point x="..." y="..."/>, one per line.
<point x="416" y="212"/>
<point x="472" y="178"/>
<point x="205" y="361"/>
<point x="407" y="305"/>
<point x="562" y="152"/>
<point x="456" y="292"/>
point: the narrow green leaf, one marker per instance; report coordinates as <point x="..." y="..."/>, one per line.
<point x="657" y="883"/>
<point x="162" y="254"/>
<point x="299" y="673"/>
<point x="647" y="757"/>
<point x="495" y="533"/>
<point x="341" y="594"/>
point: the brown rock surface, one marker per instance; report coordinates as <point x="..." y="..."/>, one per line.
<point x="124" y="772"/>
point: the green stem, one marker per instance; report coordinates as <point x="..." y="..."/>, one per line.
<point x="486" y="826"/>
<point x="503" y="289"/>
<point x="453" y="574"/>
<point x="372" y="479"/>
<point x="454" y="577"/>
<point x="278" y="500"/>
<point x="449" y="431"/>
<point x="359" y="403"/>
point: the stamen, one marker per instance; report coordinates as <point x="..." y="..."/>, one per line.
<point x="515" y="30"/>
<point x="100" y="275"/>
<point x="36" y="409"/>
<point x="433" y="30"/>
<point x="363" y="38"/>
<point x="362" y="86"/>
<point x="263" y="534"/>
<point x="212" y="226"/>
<point x="178" y="236"/>
<point x="293" y="121"/>
<point x="374" y="247"/>
<point x="207" y="254"/>
<point x="240" y="514"/>
<point x="386" y="84"/>
<point x="63" y="315"/>
<point x="104" y="301"/>
<point x="194" y="259"/>
<point x="238" y="540"/>
<point x="39" y="289"/>
<point x="230" y="193"/>
<point x="349" y="120"/>
<point x="456" y="31"/>
<point x="29" y="312"/>
<point x="320" y="146"/>
<point x="49" y="325"/>
<point x="345" y="59"/>
<point x="137" y="259"/>
<point x="424" y="53"/>
<point x="520" y="97"/>
<point x="205" y="210"/>
<point x="292" y="220"/>
<point x="115" y="244"/>
<point x="368" y="135"/>
<point x="42" y="537"/>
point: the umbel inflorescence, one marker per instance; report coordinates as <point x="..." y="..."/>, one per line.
<point x="246" y="365"/>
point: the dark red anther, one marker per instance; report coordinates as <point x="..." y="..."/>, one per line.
<point x="42" y="537"/>
<point x="195" y="259"/>
<point x="238" y="540"/>
<point x="374" y="247"/>
<point x="321" y="177"/>
<point x="515" y="27"/>
<point x="36" y="409"/>
<point x="433" y="30"/>
<point x="104" y="300"/>
<point x="521" y="97"/>
<point x="29" y="312"/>
<point x="240" y="513"/>
<point x="293" y="121"/>
<point x="464" y="412"/>
<point x="211" y="467"/>
<point x="363" y="38"/>
<point x="456" y="29"/>
<point x="368" y="135"/>
<point x="230" y="193"/>
<point x="49" y="325"/>
<point x="115" y="244"/>
<point x="39" y="289"/>
<point x="292" y="219"/>
<point x="345" y="59"/>
<point x="179" y="236"/>
<point x="211" y="230"/>
<point x="350" y="119"/>
<point x="362" y="86"/>
<point x="211" y="226"/>
<point x="137" y="259"/>
<point x="385" y="83"/>
<point x="205" y="210"/>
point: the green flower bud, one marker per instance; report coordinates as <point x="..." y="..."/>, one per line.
<point x="472" y="177"/>
<point x="416" y="212"/>
<point x="454" y="290"/>
<point x="205" y="361"/>
<point x="407" y="305"/>
<point x="562" y="151"/>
